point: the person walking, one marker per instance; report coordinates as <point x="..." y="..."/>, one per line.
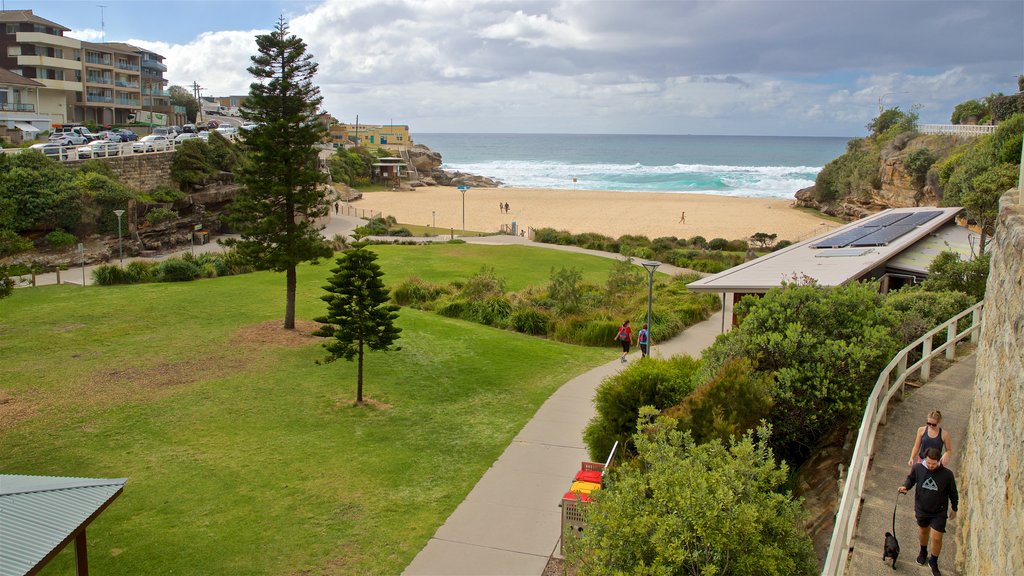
<point x="682" y="218"/>
<point x="935" y="492"/>
<point x="625" y="338"/>
<point x="931" y="435"/>
<point x="506" y="207"/>
<point x="501" y="207"/>
<point x="642" y="340"/>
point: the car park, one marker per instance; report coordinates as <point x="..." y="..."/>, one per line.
<point x="164" y="131"/>
<point x="108" y="135"/>
<point x="51" y="150"/>
<point x="152" y="143"/>
<point x="73" y="133"/>
<point x="99" y="149"/>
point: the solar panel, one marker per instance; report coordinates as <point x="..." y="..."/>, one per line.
<point x="844" y="238"/>
<point x="918" y="218"/>
<point x="887" y="220"/>
<point x="883" y="236"/>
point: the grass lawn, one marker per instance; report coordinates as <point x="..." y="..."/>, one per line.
<point x="244" y="456"/>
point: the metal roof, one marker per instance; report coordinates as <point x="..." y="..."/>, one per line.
<point x="39" y="515"/>
<point x="827" y="266"/>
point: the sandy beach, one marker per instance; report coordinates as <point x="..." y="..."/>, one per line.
<point x="610" y="213"/>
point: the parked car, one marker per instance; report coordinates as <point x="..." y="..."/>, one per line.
<point x="212" y="124"/>
<point x="164" y="131"/>
<point x="189" y="128"/>
<point x="76" y="133"/>
<point x="248" y="126"/>
<point x="51" y="149"/>
<point x="151" y="143"/>
<point x="100" y="149"/>
<point x="227" y="131"/>
<point x="109" y="135"/>
<point x="127" y="135"/>
<point x="185" y="136"/>
<point x="68" y="138"/>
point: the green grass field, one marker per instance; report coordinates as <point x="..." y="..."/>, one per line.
<point x="243" y="455"/>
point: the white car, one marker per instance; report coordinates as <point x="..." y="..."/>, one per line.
<point x="185" y="136"/>
<point x="151" y="143"/>
<point x="68" y="139"/>
<point x="99" y="149"/>
<point x="52" y="150"/>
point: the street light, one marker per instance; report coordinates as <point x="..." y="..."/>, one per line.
<point x="120" y="249"/>
<point x="651" y="267"/>
<point x="880" y="110"/>
<point x="463" y="189"/>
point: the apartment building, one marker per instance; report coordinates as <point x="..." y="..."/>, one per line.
<point x="96" y="82"/>
<point x="389" y="136"/>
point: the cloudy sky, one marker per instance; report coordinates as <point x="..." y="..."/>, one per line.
<point x="762" y="67"/>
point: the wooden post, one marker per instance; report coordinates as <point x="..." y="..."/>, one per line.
<point x="81" y="555"/>
<point x="950" y="335"/>
<point x="926" y="353"/>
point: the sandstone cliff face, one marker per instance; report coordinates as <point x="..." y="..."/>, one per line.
<point x="898" y="189"/>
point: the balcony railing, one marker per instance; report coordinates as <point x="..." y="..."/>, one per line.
<point x="120" y="84"/>
<point x="98" y="98"/>
<point x="127" y="102"/>
<point x="124" y="66"/>
<point x="12" y="107"/>
<point x="98" y="60"/>
<point x="99" y="80"/>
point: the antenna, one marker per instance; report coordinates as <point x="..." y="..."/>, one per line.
<point x="103" y="33"/>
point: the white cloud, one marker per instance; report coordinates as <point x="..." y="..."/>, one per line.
<point x="87" y="35"/>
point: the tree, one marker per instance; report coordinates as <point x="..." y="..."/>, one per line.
<point x="949" y="272"/>
<point x="276" y="211"/>
<point x="10" y="243"/>
<point x="969" y="110"/>
<point x="763" y="239"/>
<point x="182" y="97"/>
<point x="981" y="200"/>
<point x="359" y="312"/>
<point x="683" y="508"/>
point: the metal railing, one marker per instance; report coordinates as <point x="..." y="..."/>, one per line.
<point x="875" y="413"/>
<point x="15" y="107"/>
<point x="955" y="129"/>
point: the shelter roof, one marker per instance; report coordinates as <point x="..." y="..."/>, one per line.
<point x="830" y="259"/>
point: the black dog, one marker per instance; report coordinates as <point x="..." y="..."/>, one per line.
<point x="891" y="549"/>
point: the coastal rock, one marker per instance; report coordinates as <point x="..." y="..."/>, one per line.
<point x="447" y="178"/>
<point x="424" y="159"/>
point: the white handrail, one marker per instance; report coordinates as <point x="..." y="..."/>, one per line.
<point x="875" y="414"/>
<point x="956" y="129"/>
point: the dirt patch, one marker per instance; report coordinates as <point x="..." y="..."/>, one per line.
<point x="14" y="410"/>
<point x="271" y="333"/>
<point x="367" y="403"/>
<point x="67" y="328"/>
<point x="558" y="567"/>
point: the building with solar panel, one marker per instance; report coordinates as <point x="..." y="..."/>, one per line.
<point x="894" y="247"/>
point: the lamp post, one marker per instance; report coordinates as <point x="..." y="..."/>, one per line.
<point x="120" y="249"/>
<point x="880" y="109"/>
<point x="463" y="189"/>
<point x="433" y="221"/>
<point x="650" y="266"/>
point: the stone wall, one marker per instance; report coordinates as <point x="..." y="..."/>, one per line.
<point x="141" y="171"/>
<point x="992" y="465"/>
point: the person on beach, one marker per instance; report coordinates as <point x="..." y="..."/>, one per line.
<point x="506" y="207"/>
<point x="642" y="338"/>
<point x="935" y="490"/>
<point x="501" y="207"/>
<point x="931" y="436"/>
<point x="625" y="338"/>
<point x="337" y="206"/>
<point x="682" y="218"/>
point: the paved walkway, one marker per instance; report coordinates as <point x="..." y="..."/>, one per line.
<point x="951" y="392"/>
<point x="510" y="522"/>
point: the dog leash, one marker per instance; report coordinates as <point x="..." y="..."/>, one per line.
<point x="894" y="513"/>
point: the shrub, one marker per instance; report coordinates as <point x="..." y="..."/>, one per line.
<point x="918" y="162"/>
<point x="918" y="310"/>
<point x="782" y="244"/>
<point x="415" y="292"/>
<point x="649" y="382"/>
<point x="159" y="215"/>
<point x="483" y="284"/>
<point x="400" y="232"/>
<point x="529" y="321"/>
<point x="565" y="291"/>
<point x="698" y="242"/>
<point x="178" y="270"/>
<point x="950" y="273"/>
<point x="737" y="246"/>
<point x="142" y="271"/>
<point x="451" y="307"/>
<point x="109" y="275"/>
<point x="163" y="194"/>
<point x="732" y="403"/>
<point x="59" y="240"/>
<point x="717" y="244"/>
<point x="492" y="311"/>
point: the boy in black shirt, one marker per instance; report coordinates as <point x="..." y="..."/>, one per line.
<point x="935" y="487"/>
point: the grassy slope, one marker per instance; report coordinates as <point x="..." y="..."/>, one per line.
<point x="246" y="458"/>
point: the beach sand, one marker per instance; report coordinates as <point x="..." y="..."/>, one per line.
<point x="609" y="213"/>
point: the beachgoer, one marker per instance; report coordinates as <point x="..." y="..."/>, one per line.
<point x="935" y="489"/>
<point x="682" y="218"/>
<point x="337" y="206"/>
<point x="506" y="207"/>
<point x="931" y="436"/>
<point x="641" y="340"/>
<point x="501" y="207"/>
<point x="624" y="337"/>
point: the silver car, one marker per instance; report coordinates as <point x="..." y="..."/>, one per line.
<point x="99" y="149"/>
<point x="151" y="143"/>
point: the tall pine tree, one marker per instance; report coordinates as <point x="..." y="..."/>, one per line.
<point x="359" y="312"/>
<point x="275" y="212"/>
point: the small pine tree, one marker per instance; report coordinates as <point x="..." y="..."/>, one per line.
<point x="276" y="211"/>
<point x="359" y="311"/>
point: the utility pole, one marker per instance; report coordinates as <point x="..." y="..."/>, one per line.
<point x="195" y="92"/>
<point x="103" y="25"/>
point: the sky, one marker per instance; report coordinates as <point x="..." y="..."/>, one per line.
<point x="729" y="67"/>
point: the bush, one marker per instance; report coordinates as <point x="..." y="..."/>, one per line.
<point x="918" y="310"/>
<point x="950" y="273"/>
<point x="918" y="162"/>
<point x="529" y="321"/>
<point x="400" y="232"/>
<point x="649" y="382"/>
<point x="732" y="403"/>
<point x="698" y="242"/>
<point x="483" y="284"/>
<point x="109" y="275"/>
<point x="178" y="270"/>
<point x="159" y="215"/>
<point x="142" y="271"/>
<point x="717" y="244"/>
<point x="417" y="292"/>
<point x="59" y="240"/>
<point x="492" y="311"/>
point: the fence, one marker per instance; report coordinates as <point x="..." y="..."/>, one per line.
<point x="955" y="129"/>
<point x="875" y="414"/>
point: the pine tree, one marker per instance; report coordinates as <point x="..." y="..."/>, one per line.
<point x="359" y="312"/>
<point x="275" y="212"/>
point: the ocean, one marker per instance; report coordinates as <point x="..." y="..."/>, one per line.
<point x="750" y="166"/>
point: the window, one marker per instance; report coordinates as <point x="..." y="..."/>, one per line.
<point x="14" y="50"/>
<point x="11" y="28"/>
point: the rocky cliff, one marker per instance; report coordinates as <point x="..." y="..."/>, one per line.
<point x="897" y="186"/>
<point x="428" y="164"/>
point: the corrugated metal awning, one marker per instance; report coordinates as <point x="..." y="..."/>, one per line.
<point x="41" y="514"/>
<point x="26" y="127"/>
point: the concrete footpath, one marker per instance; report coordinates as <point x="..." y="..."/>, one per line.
<point x="510" y="522"/>
<point x="952" y="393"/>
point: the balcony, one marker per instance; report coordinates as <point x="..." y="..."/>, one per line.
<point x="89" y="59"/>
<point x="154" y="65"/>
<point x="12" y="107"/>
<point x="99" y="98"/>
<point x="128" y="102"/>
<point x="99" y="80"/>
<point x="47" y="39"/>
<point x="128" y="66"/>
<point x="48" y="62"/>
<point x="69" y="85"/>
<point x="132" y="85"/>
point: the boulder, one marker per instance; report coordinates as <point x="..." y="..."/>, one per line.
<point x="424" y="159"/>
